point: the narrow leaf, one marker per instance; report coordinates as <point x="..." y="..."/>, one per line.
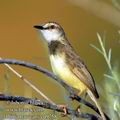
<point x="109" y="55"/>
<point x="96" y="48"/>
<point x="99" y="38"/>
<point x="109" y="76"/>
<point x="104" y="38"/>
<point x="115" y="94"/>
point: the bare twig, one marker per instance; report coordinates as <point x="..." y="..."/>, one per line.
<point x="77" y="98"/>
<point x="28" y="83"/>
<point x="37" y="68"/>
<point x="46" y="105"/>
<point x="49" y="74"/>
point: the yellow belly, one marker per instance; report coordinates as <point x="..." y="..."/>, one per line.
<point x="61" y="69"/>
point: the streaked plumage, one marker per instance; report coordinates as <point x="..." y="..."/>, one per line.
<point x="65" y="62"/>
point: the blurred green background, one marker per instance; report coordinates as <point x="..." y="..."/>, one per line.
<point x="19" y="40"/>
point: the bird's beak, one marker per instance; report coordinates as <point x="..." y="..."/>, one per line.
<point x="39" y="27"/>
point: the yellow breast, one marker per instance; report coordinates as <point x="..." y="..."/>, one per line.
<point x="61" y="69"/>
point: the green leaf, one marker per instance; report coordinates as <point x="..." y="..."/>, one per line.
<point x="104" y="38"/>
<point x="109" y="76"/>
<point x="96" y="48"/>
<point x="99" y="38"/>
<point x="109" y="55"/>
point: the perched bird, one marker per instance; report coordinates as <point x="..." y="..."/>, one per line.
<point x="66" y="63"/>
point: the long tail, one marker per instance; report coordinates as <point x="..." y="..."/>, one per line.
<point x="97" y="104"/>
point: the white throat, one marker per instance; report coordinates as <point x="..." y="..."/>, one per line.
<point x="51" y="35"/>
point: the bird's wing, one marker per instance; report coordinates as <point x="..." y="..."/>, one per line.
<point x="78" y="67"/>
<point x="84" y="75"/>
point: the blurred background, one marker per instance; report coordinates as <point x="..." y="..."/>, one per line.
<point x="81" y="20"/>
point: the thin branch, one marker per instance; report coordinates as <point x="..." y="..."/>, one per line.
<point x="46" y="105"/>
<point x="28" y="83"/>
<point x="51" y="75"/>
<point x="37" y="68"/>
<point x="77" y="98"/>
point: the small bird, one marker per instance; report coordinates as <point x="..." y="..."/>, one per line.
<point x="66" y="63"/>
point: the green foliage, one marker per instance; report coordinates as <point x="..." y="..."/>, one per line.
<point x="112" y="81"/>
<point x="116" y="3"/>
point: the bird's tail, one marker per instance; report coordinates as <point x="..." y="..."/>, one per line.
<point x="97" y="104"/>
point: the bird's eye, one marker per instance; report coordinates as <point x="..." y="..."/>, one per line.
<point x="52" y="26"/>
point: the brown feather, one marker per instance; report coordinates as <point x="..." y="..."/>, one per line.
<point x="74" y="62"/>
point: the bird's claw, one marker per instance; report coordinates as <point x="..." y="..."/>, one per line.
<point x="64" y="108"/>
<point x="78" y="109"/>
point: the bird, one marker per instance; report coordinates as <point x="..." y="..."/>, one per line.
<point x="66" y="63"/>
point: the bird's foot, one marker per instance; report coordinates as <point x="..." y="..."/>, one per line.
<point x="78" y="109"/>
<point x="64" y="108"/>
<point x="73" y="96"/>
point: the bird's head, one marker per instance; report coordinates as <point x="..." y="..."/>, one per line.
<point x="51" y="31"/>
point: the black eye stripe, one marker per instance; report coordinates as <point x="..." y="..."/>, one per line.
<point x="52" y="26"/>
<point x="49" y="27"/>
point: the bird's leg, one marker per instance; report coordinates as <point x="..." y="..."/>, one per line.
<point x="80" y="106"/>
<point x="64" y="108"/>
<point x="73" y="95"/>
<point x="86" y="94"/>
